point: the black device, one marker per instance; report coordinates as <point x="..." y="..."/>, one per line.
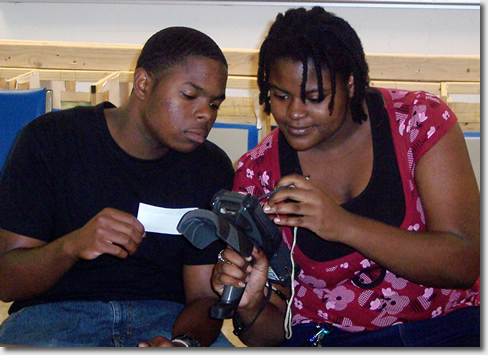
<point x="240" y="221"/>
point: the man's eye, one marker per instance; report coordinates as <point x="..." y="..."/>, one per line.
<point x="215" y="106"/>
<point x="188" y="96"/>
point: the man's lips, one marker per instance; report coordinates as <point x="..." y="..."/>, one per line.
<point x="196" y="135"/>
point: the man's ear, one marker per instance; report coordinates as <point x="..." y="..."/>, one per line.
<point x="350" y="86"/>
<point x="141" y="83"/>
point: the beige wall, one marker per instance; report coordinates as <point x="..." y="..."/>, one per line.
<point x="384" y="28"/>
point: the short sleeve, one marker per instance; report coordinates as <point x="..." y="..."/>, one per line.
<point x="421" y="118"/>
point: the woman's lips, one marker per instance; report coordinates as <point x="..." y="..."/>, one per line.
<point x="298" y="131"/>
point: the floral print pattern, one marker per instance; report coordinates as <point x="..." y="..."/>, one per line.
<point x="325" y="291"/>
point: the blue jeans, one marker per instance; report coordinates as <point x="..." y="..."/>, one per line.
<point x="93" y="323"/>
<point x="460" y="328"/>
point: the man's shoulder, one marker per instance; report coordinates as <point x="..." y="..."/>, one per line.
<point x="212" y="152"/>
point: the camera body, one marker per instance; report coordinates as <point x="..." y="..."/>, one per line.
<point x="246" y="214"/>
<point x="239" y="221"/>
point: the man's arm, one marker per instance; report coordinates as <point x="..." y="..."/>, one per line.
<point x="29" y="267"/>
<point x="194" y="320"/>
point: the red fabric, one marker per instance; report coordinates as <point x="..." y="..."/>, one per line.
<point x="324" y="291"/>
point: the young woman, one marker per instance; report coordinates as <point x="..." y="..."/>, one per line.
<point x="381" y="212"/>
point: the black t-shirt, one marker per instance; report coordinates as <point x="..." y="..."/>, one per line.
<point x="65" y="168"/>
<point x="383" y="198"/>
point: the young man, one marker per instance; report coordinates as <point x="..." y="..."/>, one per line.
<point x="79" y="266"/>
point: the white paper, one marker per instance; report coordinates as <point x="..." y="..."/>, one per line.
<point x="160" y="219"/>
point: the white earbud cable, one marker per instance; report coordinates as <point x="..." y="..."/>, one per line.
<point x="288" y="314"/>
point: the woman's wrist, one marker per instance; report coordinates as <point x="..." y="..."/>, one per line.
<point x="245" y="318"/>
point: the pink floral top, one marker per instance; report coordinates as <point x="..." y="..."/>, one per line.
<point x="327" y="292"/>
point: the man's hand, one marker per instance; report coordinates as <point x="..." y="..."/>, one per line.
<point x="160" y="342"/>
<point x="111" y="232"/>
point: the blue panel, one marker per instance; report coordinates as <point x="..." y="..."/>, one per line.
<point x="472" y="134"/>
<point x="253" y="132"/>
<point x="17" y="108"/>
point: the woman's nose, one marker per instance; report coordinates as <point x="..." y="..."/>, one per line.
<point x="297" y="109"/>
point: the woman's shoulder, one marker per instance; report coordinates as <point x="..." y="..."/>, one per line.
<point x="400" y="100"/>
<point x="416" y="107"/>
<point x="420" y="117"/>
<point x="266" y="150"/>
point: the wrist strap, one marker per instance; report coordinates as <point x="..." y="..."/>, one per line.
<point x="179" y="341"/>
<point x="187" y="341"/>
<point x="239" y="326"/>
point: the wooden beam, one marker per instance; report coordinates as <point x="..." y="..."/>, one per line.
<point x="242" y="62"/>
<point x="423" y="67"/>
<point x="11" y="83"/>
<point x="68" y="55"/>
<point x="432" y="87"/>
<point x="466" y="112"/>
<point x="463" y="88"/>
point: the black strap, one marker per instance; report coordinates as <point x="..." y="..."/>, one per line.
<point x="239" y="326"/>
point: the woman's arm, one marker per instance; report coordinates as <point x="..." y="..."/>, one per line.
<point x="446" y="255"/>
<point x="268" y="327"/>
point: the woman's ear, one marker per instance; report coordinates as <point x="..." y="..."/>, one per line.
<point x="350" y="86"/>
<point x="141" y="83"/>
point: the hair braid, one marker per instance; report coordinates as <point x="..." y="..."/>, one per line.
<point x="320" y="37"/>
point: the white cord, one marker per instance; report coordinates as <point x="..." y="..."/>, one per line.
<point x="288" y="314"/>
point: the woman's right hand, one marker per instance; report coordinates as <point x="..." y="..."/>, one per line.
<point x="235" y="270"/>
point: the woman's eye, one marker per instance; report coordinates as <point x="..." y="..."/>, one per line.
<point x="313" y="99"/>
<point x="280" y="96"/>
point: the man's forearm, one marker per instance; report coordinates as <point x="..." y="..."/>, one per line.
<point x="194" y="321"/>
<point x="28" y="272"/>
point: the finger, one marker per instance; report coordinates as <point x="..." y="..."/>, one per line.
<point x="130" y="230"/>
<point x="260" y="261"/>
<point x="291" y="193"/>
<point x="158" y="341"/>
<point x="226" y="280"/>
<point x="294" y="221"/>
<point x="132" y="225"/>
<point x="232" y="257"/>
<point x="288" y="208"/>
<point x="259" y="274"/>
<point x="123" y="240"/>
<point x="221" y="280"/>
<point x="295" y="180"/>
<point x="234" y="271"/>
<point x="108" y="247"/>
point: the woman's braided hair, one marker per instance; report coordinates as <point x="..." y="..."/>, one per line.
<point x="173" y="45"/>
<point x="319" y="37"/>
